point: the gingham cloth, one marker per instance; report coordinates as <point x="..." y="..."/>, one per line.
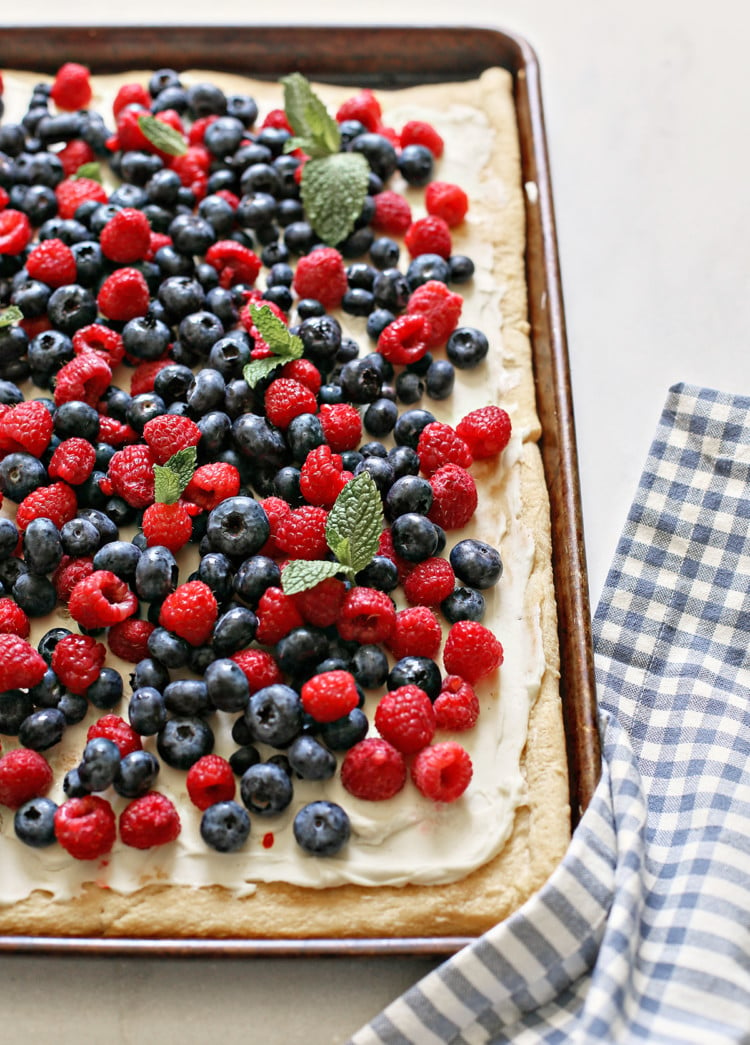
<point x="643" y="932"/>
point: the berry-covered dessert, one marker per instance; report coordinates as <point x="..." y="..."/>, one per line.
<point x="278" y="646"/>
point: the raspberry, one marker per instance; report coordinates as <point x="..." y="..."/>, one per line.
<point x="190" y="611"/>
<point x="321" y="604"/>
<point x="167" y="434"/>
<point x="234" y="263"/>
<point x="198" y="128"/>
<point x="446" y="201"/>
<point x="24" y="774"/>
<point x="130" y="94"/>
<point x="114" y="432"/>
<point x="392" y="213"/>
<point x="321" y="275"/>
<point x="301" y="533"/>
<point x="13" y="620"/>
<point x="116" y="729"/>
<point x="454" y="497"/>
<point x="73" y="460"/>
<point x="144" y="375"/>
<point x="56" y="502"/>
<point x="26" y="427"/>
<point x="168" y="525"/>
<point x="441" y="306"/>
<point x="321" y="477"/>
<point x="286" y="399"/>
<point x="126" y="237"/>
<point x="101" y="599"/>
<point x="72" y="192"/>
<point x="15" y="231"/>
<point x="124" y="295"/>
<point x="405" y="718"/>
<point x="419" y="132"/>
<point x="68" y="573"/>
<point x="304" y="371"/>
<point x="373" y="770"/>
<point x="131" y="472"/>
<point x="86" y="827"/>
<point x="431" y="581"/>
<point x="438" y="445"/>
<point x="85" y="378"/>
<point x="213" y="483"/>
<point x="405" y="339"/>
<point x="210" y="780"/>
<point x="277" y="616"/>
<point x="330" y="695"/>
<point x="128" y="639"/>
<point x="71" y="89"/>
<point x="416" y="633"/>
<point x="363" y="106"/>
<point x="471" y="651"/>
<point x="277" y="118"/>
<point x="20" y="665"/>
<point x="367" y="616"/>
<point x="74" y="155"/>
<point x="52" y="262"/>
<point x="276" y="509"/>
<point x="193" y="165"/>
<point x="77" y="661"/>
<point x="260" y="668"/>
<point x="442" y="772"/>
<point x="429" y="235"/>
<point x="342" y="426"/>
<point x="97" y="338"/>
<point x="148" y="821"/>
<point x="456" y="706"/>
<point x="486" y="431"/>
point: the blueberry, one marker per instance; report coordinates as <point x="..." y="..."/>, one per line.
<point x="345" y="732"/>
<point x="440" y="379"/>
<point x="381" y="471"/>
<point x="416" y="164"/>
<point x="74" y="707"/>
<point x="191" y="234"/>
<point x="42" y="546"/>
<point x="381" y="573"/>
<point x="254" y="576"/>
<point x="463" y="604"/>
<point x="79" y="537"/>
<point x="156" y="574"/>
<point x="49" y="640"/>
<point x="466" y="347"/>
<point x="35" y="594"/>
<point x="257" y="440"/>
<point x="409" y="493"/>
<point x="107" y="529"/>
<point x="299" y="651"/>
<point x="384" y="252"/>
<point x="322" y="828"/>
<point x="136" y="774"/>
<point x="427" y="267"/>
<point x="99" y="764"/>
<point x="266" y="789"/>
<point x="180" y="295"/>
<point x="187" y="697"/>
<point x="149" y="672"/>
<point x="416" y="671"/>
<point x="143" y="408"/>
<point x="170" y="650"/>
<point x="238" y="527"/>
<point x="42" y="729"/>
<point x="391" y="290"/>
<point x="15" y="707"/>
<point x="172" y="382"/>
<point x="476" y="563"/>
<point x="71" y="307"/>
<point x="409" y="426"/>
<point x="378" y="151"/>
<point x="414" y="537"/>
<point x="461" y="268"/>
<point x="321" y="337"/>
<point x="405" y="461"/>
<point x="225" y="826"/>
<point x="182" y="741"/>
<point x="105" y="692"/>
<point x="48" y="691"/>
<point x="119" y="557"/>
<point x="304" y="434"/>
<point x="146" y="337"/>
<point x="243" y="757"/>
<point x="226" y="685"/>
<point x="369" y="665"/>
<point x="380" y="417"/>
<point x="34" y="822"/>
<point x="274" y="715"/>
<point x="310" y="760"/>
<point x="147" y="712"/>
<point x="20" y="473"/>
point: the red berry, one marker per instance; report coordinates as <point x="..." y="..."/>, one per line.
<point x="210" y="780"/>
<point x="419" y="132"/>
<point x="454" y="497"/>
<point x="416" y="633"/>
<point x="26" y="427"/>
<point x="126" y="237"/>
<point x="71" y="89"/>
<point x="85" y="378"/>
<point x="130" y="94"/>
<point x="131" y="472"/>
<point x="68" y="573"/>
<point x="52" y="262"/>
<point x="167" y="434"/>
<point x="128" y="639"/>
<point x="116" y="729"/>
<point x="77" y="661"/>
<point x="301" y="533"/>
<point x="456" y="706"/>
<point x="97" y="338"/>
<point x="440" y="306"/>
<point x="190" y="611"/>
<point x="442" y="772"/>
<point x="260" y="668"/>
<point x="321" y="604"/>
<point x="286" y="399"/>
<point x="367" y="616"/>
<point x="276" y="509"/>
<point x="429" y="235"/>
<point x="277" y="615"/>
<point x="486" y="431"/>
<point x="72" y="192"/>
<point x="405" y="339"/>
<point x="86" y="827"/>
<point x="56" y="502"/>
<point x="20" y="665"/>
<point x="330" y="695"/>
<point x="321" y="477"/>
<point x="124" y="295"/>
<point x="213" y="483"/>
<point x="431" y="581"/>
<point x="15" y="231"/>
<point x="234" y="263"/>
<point x="304" y="371"/>
<point x="439" y="444"/>
<point x="168" y="525"/>
<point x="471" y="651"/>
<point x="73" y="460"/>
<point x="115" y="433"/>
<point x="24" y="774"/>
<point x="74" y="155"/>
<point x="373" y="770"/>
<point x="13" y="620"/>
<point x="363" y="106"/>
<point x="405" y="718"/>
<point x="342" y="426"/>
<point x="149" y="821"/>
<point x="101" y="599"/>
<point x="392" y="213"/>
<point x="144" y="375"/>
<point x="321" y="275"/>
<point x="446" y="201"/>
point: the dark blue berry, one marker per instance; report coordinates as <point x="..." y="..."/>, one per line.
<point x="156" y="574"/>
<point x="476" y="563"/>
<point x="463" y="604"/>
<point x="105" y="692"/>
<point x="369" y="666"/>
<point x="266" y="789"/>
<point x="414" y="537"/>
<point x="226" y="685"/>
<point x="466" y="347"/>
<point x="225" y="826"/>
<point x="345" y="732"/>
<point x="34" y="822"/>
<point x="409" y="493"/>
<point x="182" y="741"/>
<point x="274" y="715"/>
<point x="99" y="764"/>
<point x="416" y="671"/>
<point x="136" y="774"/>
<point x="147" y="712"/>
<point x="42" y="729"/>
<point x="310" y="759"/>
<point x="322" y="828"/>
<point x="187" y="697"/>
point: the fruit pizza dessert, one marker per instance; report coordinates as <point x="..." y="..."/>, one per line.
<point x="278" y="650"/>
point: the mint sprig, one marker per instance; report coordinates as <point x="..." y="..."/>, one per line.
<point x="353" y="529"/>
<point x="334" y="183"/>
<point x="171" y="479"/>
<point x="10" y="315"/>
<point x="277" y="336"/>
<point x="92" y="171"/>
<point x="163" y="137"/>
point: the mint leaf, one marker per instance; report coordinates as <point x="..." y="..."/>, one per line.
<point x="171" y="479"/>
<point x="162" y="136"/>
<point x="301" y="574"/>
<point x="355" y="522"/>
<point x="258" y="369"/>
<point x="92" y="171"/>
<point x="183" y="464"/>
<point x="315" y="131"/>
<point x="275" y="332"/>
<point x="11" y="314"/>
<point x="333" y="190"/>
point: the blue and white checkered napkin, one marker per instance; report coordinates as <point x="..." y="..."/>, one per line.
<point x="643" y="932"/>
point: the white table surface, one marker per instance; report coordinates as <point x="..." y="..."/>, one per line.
<point x="647" y="108"/>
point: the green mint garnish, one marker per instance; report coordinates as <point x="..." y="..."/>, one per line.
<point x="162" y="136"/>
<point x="334" y="183"/>
<point x="10" y="315"/>
<point x="353" y="531"/>
<point x="171" y="479"/>
<point x="280" y="340"/>
<point x="92" y="171"/>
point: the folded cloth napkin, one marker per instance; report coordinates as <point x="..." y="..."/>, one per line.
<point x="643" y="931"/>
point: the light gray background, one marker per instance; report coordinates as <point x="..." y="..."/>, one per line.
<point x="647" y="108"/>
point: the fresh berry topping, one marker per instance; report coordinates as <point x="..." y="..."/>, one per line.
<point x="485" y="430"/>
<point x="431" y="581"/>
<point x="131" y="473"/>
<point x="72" y="192"/>
<point x="342" y="426"/>
<point x="420" y="132"/>
<point x="169" y="525"/>
<point x="86" y="827"/>
<point x="24" y="774"/>
<point x="367" y="616"/>
<point x="440" y="306"/>
<point x="126" y="237"/>
<point x="330" y="695"/>
<point x="471" y="651"/>
<point x="124" y="295"/>
<point x="234" y="263"/>
<point x="321" y="604"/>
<point x="27" y="427"/>
<point x="116" y="729"/>
<point x="52" y="262"/>
<point x="213" y="483"/>
<point x="15" y="231"/>
<point x="72" y="461"/>
<point x="454" y="497"/>
<point x="77" y="661"/>
<point x="322" y="477"/>
<point x="69" y="572"/>
<point x="13" y="620"/>
<point x="210" y="780"/>
<point x="128" y="639"/>
<point x="321" y="275"/>
<point x="442" y="772"/>
<point x="56" y="502"/>
<point x="373" y="770"/>
<point x="190" y="611"/>
<point x="446" y="201"/>
<point x="286" y="399"/>
<point x="84" y="378"/>
<point x="416" y="633"/>
<point x="406" y="719"/>
<point x="439" y="444"/>
<point x="277" y="615"/>
<point x="301" y="533"/>
<point x="101" y="599"/>
<point x="20" y="665"/>
<point x="364" y="107"/>
<point x="148" y="821"/>
<point x="259" y="667"/>
<point x="71" y="88"/>
<point x="305" y="372"/>
<point x="405" y="339"/>
<point x="392" y="213"/>
<point x="456" y="706"/>
<point x="429" y="235"/>
<point x="167" y="434"/>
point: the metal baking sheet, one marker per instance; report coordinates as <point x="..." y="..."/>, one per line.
<point x="385" y="56"/>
